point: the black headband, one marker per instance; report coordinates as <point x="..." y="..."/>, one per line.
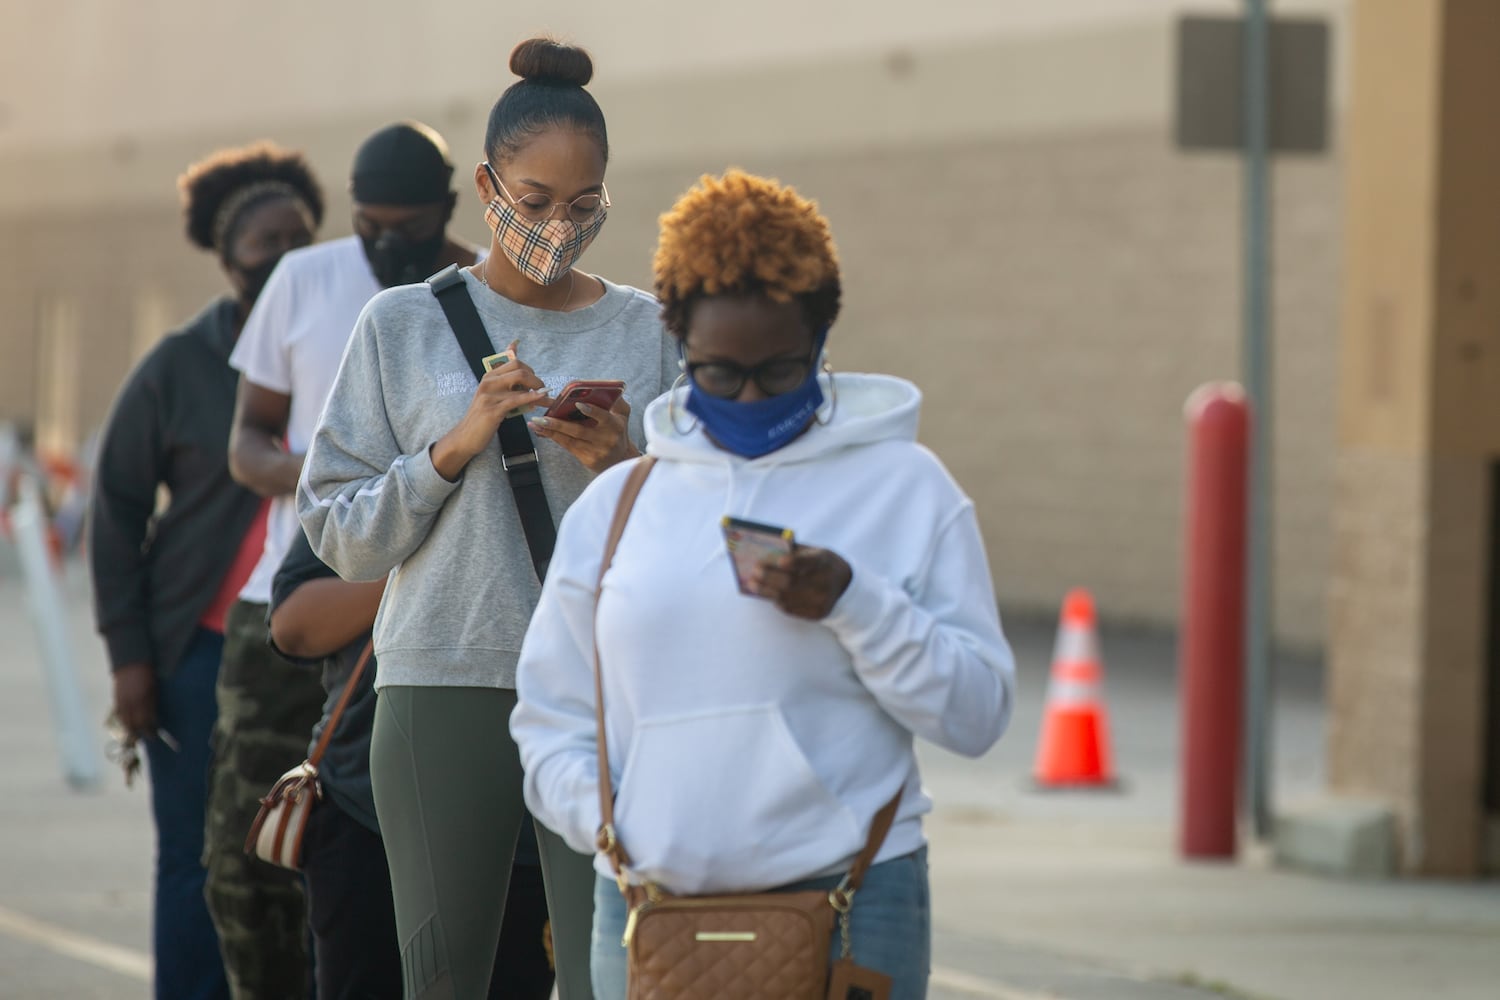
<point x="247" y="197"/>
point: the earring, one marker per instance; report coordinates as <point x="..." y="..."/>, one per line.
<point x="672" y="407"/>
<point x="833" y="395"/>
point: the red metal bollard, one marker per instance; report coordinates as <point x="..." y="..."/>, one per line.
<point x="1211" y="648"/>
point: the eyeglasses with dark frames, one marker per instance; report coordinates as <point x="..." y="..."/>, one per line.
<point x="727" y="379"/>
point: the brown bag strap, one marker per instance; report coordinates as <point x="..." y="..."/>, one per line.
<point x="879" y="827"/>
<point x="338" y="710"/>
<point x="607" y="840"/>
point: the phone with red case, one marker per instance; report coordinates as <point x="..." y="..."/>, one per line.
<point x="603" y="393"/>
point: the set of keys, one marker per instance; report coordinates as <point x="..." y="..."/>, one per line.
<point x="124" y="750"/>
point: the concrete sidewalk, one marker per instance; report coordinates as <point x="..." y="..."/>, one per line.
<point x="1111" y="892"/>
<point x="1096" y="875"/>
<point x="1036" y="896"/>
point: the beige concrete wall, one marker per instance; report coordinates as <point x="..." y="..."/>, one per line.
<point x="1419" y="426"/>
<point x="1377" y="607"/>
<point x="1018" y="235"/>
<point x="88" y="71"/>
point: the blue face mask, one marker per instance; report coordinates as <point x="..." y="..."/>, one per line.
<point x="751" y="430"/>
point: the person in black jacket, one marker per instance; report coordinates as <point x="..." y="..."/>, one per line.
<point x="164" y="578"/>
<point x="319" y="620"/>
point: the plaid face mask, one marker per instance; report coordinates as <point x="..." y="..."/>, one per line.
<point x="543" y="251"/>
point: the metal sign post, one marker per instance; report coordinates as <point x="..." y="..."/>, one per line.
<point x="1259" y="384"/>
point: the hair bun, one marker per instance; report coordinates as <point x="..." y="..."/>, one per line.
<point x="546" y="60"/>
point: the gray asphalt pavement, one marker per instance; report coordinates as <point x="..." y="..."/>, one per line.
<point x="1037" y="896"/>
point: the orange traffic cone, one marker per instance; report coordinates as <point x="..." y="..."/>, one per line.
<point x="1074" y="745"/>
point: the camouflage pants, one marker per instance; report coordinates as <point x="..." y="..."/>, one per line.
<point x="267" y="709"/>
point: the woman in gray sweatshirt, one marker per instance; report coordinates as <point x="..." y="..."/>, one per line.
<point x="404" y="476"/>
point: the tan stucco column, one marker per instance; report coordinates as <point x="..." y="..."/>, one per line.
<point x="1419" y="423"/>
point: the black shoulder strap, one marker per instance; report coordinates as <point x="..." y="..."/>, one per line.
<point x="517" y="452"/>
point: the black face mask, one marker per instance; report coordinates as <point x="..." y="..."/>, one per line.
<point x="397" y="260"/>
<point x="255" y="279"/>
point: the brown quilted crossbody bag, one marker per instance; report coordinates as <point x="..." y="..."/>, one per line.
<point x="757" y="946"/>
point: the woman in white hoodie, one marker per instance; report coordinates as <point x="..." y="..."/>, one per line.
<point x="753" y="737"/>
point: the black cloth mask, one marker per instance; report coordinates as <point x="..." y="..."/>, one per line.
<point x="255" y="279"/>
<point x="397" y="260"/>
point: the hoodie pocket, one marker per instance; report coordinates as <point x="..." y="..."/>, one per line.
<point x="727" y="800"/>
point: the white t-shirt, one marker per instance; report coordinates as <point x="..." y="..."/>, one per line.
<point x="292" y="343"/>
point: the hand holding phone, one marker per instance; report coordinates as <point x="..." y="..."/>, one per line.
<point x="750" y="544"/>
<point x="603" y="393"/>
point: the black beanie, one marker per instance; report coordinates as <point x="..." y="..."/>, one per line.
<point x="402" y="164"/>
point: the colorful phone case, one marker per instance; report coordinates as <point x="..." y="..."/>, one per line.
<point x="751" y="544"/>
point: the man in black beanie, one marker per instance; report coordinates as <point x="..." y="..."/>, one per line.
<point x="288" y="355"/>
<point x="403" y="202"/>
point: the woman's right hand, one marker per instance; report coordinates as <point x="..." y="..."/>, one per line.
<point x="135" y="699"/>
<point x="511" y="386"/>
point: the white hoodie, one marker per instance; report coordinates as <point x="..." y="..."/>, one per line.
<point x="750" y="749"/>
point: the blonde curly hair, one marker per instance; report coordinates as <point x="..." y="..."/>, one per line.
<point x="745" y="235"/>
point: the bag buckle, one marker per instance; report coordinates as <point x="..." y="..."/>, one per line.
<point x="508" y="462"/>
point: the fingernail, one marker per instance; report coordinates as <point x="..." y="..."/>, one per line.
<point x="541" y="422"/>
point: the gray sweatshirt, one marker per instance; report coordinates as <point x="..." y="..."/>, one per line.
<point x="463" y="588"/>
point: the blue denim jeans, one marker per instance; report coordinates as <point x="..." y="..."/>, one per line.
<point x="188" y="964"/>
<point x="891" y="927"/>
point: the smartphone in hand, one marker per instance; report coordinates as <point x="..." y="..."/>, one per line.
<point x="603" y="393"/>
<point x="750" y="544"/>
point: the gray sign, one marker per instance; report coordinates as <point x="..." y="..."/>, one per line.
<point x="1210" y="64"/>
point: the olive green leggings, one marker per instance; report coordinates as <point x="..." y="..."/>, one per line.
<point x="447" y="781"/>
